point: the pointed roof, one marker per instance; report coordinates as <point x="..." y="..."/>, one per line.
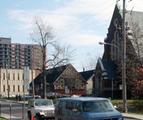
<point x="108" y="68"/>
<point x="51" y="74"/>
<point x="87" y="74"/>
<point x="112" y="28"/>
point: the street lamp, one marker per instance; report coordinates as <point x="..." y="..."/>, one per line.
<point x="114" y="45"/>
<point x="104" y="43"/>
<point x="124" y="93"/>
<point x="124" y="84"/>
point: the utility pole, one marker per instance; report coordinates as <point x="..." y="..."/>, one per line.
<point x="124" y="90"/>
<point x="44" y="72"/>
<point x="45" y="85"/>
<point x="33" y="86"/>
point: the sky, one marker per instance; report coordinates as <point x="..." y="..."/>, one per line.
<point x="81" y="24"/>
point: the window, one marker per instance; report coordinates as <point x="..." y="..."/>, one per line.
<point x="43" y="102"/>
<point x="97" y="106"/>
<point x="8" y="76"/>
<point x="13" y="88"/>
<point x="18" y="88"/>
<point x="9" y="88"/>
<point x="107" y="83"/>
<point x="3" y="88"/>
<point x="3" y="76"/>
<point x="69" y="105"/>
<point x="23" y="76"/>
<point x="13" y="76"/>
<point x="23" y="88"/>
<point x="18" y="77"/>
<point x="77" y="106"/>
<point x="60" y="109"/>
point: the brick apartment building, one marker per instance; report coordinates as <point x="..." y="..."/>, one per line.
<point x="14" y="57"/>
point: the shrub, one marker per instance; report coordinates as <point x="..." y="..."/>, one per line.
<point x="134" y="106"/>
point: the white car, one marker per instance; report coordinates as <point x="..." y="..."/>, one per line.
<point x="40" y="109"/>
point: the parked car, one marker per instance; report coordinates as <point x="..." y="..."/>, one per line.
<point x="86" y="108"/>
<point x="28" y="97"/>
<point x="40" y="109"/>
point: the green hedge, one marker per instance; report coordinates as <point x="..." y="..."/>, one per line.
<point x="134" y="106"/>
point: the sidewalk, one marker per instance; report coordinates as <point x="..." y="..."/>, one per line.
<point x="10" y="117"/>
<point x="133" y="116"/>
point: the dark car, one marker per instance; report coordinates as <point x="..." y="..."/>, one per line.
<point x="86" y="108"/>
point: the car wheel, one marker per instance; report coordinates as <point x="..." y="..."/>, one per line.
<point x="38" y="117"/>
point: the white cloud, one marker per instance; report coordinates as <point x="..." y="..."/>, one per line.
<point x="57" y="21"/>
<point x="63" y="16"/>
<point x="66" y="18"/>
<point x="66" y="21"/>
<point x="22" y="18"/>
<point x="85" y="39"/>
<point x="98" y="8"/>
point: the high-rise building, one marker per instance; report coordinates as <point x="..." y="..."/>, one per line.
<point x="17" y="56"/>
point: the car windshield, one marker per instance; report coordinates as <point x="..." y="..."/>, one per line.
<point x="97" y="106"/>
<point x="43" y="102"/>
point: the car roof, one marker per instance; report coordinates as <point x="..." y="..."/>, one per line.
<point x="82" y="98"/>
<point x="39" y="99"/>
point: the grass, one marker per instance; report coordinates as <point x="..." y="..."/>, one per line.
<point x="134" y="106"/>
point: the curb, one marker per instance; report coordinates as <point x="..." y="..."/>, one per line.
<point x="132" y="117"/>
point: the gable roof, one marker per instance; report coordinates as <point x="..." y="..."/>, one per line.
<point x="51" y="74"/>
<point x="108" y="67"/>
<point x="87" y="74"/>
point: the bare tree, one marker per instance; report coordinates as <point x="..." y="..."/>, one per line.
<point x="60" y="55"/>
<point x="52" y="53"/>
<point x="90" y="62"/>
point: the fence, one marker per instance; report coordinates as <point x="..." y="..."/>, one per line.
<point x="13" y="110"/>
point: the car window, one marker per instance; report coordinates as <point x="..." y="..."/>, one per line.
<point x="74" y="106"/>
<point x="97" y="106"/>
<point x="43" y="102"/>
<point x="61" y="107"/>
<point x="69" y="105"/>
<point x="77" y="106"/>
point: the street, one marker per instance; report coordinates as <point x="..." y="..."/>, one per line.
<point x="15" y="111"/>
